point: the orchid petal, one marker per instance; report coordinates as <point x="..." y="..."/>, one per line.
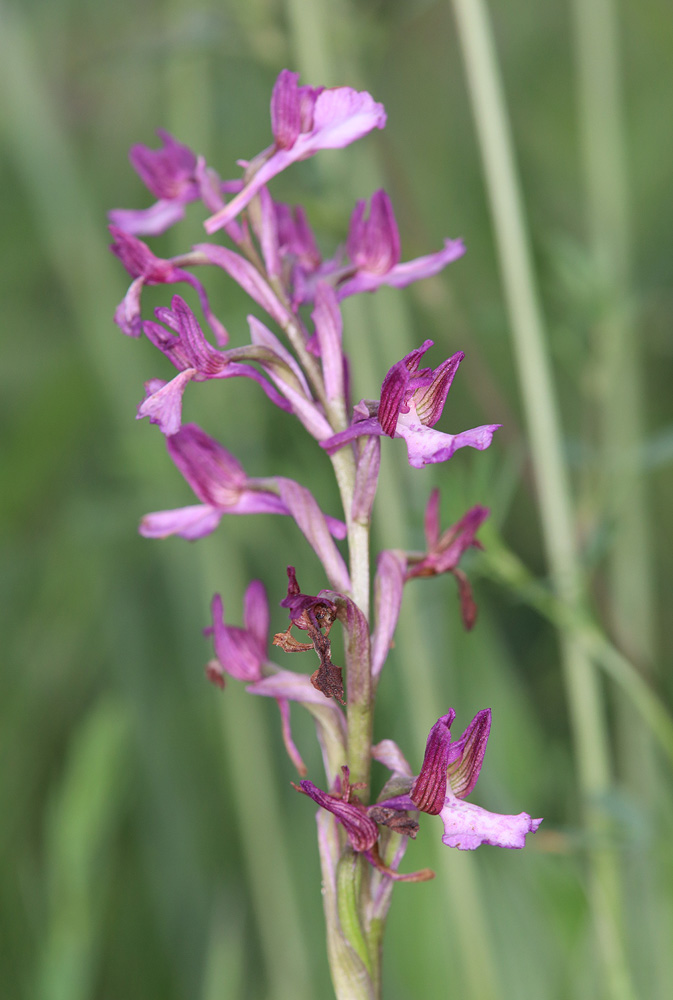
<point x="466" y="826"/>
<point x="168" y="172"/>
<point x="238" y="650"/>
<point x="388" y="588"/>
<point x="361" y="830"/>
<point x="328" y="324"/>
<point x="164" y="405"/>
<point x="463" y="770"/>
<point x="426" y="445"/>
<point x="429" y="400"/>
<point x="127" y="314"/>
<point x="152" y="221"/>
<point x="311" y="521"/>
<point x="256" y="612"/>
<point x="214" y="474"/>
<point x="188" y="522"/>
<point x="389" y="754"/>
<point x="429" y="789"/>
<point x="402" y="379"/>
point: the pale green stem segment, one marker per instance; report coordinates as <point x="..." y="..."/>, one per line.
<point x="619" y="495"/>
<point x="350" y="975"/>
<point x="352" y="889"/>
<point x="349" y="892"/>
<point x="556" y="512"/>
<point x="617" y="358"/>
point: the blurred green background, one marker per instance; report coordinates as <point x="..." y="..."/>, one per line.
<point x="150" y="843"/>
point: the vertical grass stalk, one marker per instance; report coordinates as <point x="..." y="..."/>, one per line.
<point x="617" y="359"/>
<point x="555" y="503"/>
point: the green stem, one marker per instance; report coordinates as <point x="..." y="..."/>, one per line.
<point x="556" y="512"/>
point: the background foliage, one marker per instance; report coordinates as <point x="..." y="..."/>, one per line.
<point x="151" y="845"/>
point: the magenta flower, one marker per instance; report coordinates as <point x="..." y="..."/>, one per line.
<point x="304" y="120"/>
<point x="220" y="482"/>
<point x="412" y="401"/>
<point x="446" y="550"/>
<point x="449" y="773"/>
<point x="296" y="240"/>
<point x="373" y="248"/>
<point x="372" y="257"/>
<point x="146" y="269"/>
<point x="170" y="173"/>
<point x="241" y="652"/>
<point x="185" y="346"/>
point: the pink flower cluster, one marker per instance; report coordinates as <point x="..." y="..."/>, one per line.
<point x="273" y="255"/>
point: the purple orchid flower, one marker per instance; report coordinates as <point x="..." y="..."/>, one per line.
<point x="446" y="550"/>
<point x="176" y="177"/>
<point x="448" y="775"/>
<point x="373" y="257"/>
<point x="374" y="249"/>
<point x="304" y="120"/>
<point x="170" y="174"/>
<point x="185" y="345"/>
<point x="218" y="480"/>
<point x="223" y="487"/>
<point x="242" y="653"/>
<point x="146" y="269"/>
<point x="412" y="401"/>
